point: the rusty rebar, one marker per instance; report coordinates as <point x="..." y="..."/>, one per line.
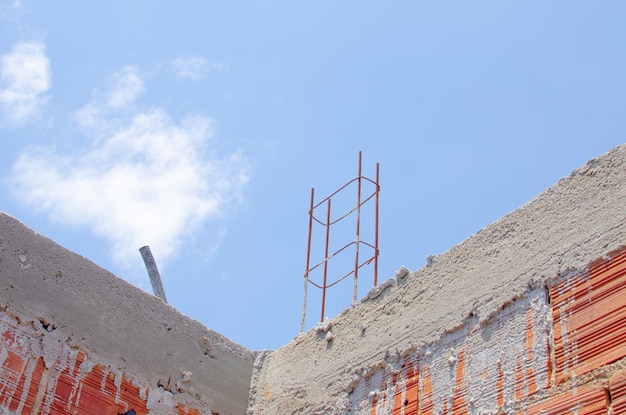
<point x="376" y="251"/>
<point x="357" y="242"/>
<point x="308" y="259"/>
<point x="358" y="229"/>
<point x="326" y="262"/>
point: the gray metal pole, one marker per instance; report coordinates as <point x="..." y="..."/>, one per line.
<point x="153" y="272"/>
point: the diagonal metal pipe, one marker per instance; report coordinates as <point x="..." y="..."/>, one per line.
<point x="153" y="272"/>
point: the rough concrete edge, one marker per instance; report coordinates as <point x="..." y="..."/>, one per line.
<point x="431" y="260"/>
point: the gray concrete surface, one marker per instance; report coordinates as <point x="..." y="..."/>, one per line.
<point x="118" y="325"/>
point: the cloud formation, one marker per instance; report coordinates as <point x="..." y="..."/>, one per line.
<point x="106" y="111"/>
<point x="148" y="180"/>
<point x="128" y="86"/>
<point x="193" y="68"/>
<point x="25" y="76"/>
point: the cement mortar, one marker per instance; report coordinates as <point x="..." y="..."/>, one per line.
<point x="513" y="342"/>
<point x="75" y="303"/>
<point x="575" y="221"/>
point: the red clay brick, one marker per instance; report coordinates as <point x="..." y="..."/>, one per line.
<point x="426" y="405"/>
<point x="617" y="386"/>
<point x="459" y="406"/>
<point x="589" y="315"/>
<point x="580" y="401"/>
<point x="71" y="385"/>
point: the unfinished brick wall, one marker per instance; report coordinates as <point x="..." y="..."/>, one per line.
<point x="71" y="383"/>
<point x="481" y="368"/>
<point x="589" y="315"/>
<point x="75" y="339"/>
<point x="527" y="316"/>
<point x="589" y="322"/>
<point x="492" y="365"/>
<point x="528" y="359"/>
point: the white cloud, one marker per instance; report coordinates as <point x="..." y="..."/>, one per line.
<point x="24" y="77"/>
<point x="128" y="87"/>
<point x="12" y="11"/>
<point x="150" y="181"/>
<point x="193" y="68"/>
<point x="98" y="116"/>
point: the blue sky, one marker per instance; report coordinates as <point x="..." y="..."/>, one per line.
<point x="199" y="129"/>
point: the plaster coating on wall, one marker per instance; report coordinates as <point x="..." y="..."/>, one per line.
<point x="488" y="367"/>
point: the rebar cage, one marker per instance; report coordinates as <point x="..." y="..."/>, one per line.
<point x="324" y="207"/>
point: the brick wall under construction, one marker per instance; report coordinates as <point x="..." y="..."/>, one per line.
<point x="555" y="350"/>
<point x="75" y="339"/>
<point x="527" y="316"/>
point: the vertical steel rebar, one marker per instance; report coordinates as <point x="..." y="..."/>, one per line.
<point x="326" y="261"/>
<point x="153" y="272"/>
<point x="308" y="259"/>
<point x="357" y="265"/>
<point x="376" y="231"/>
<point x="358" y="228"/>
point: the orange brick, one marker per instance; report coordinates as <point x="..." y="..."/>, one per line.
<point x="617" y="386"/>
<point x="406" y="398"/>
<point x="426" y="402"/>
<point x="459" y="406"/>
<point x="500" y="386"/>
<point x="589" y="317"/>
<point x="412" y="392"/>
<point x="583" y="400"/>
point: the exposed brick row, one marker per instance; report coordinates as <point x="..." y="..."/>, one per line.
<point x="578" y="401"/>
<point x="617" y="386"/>
<point x="589" y="314"/>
